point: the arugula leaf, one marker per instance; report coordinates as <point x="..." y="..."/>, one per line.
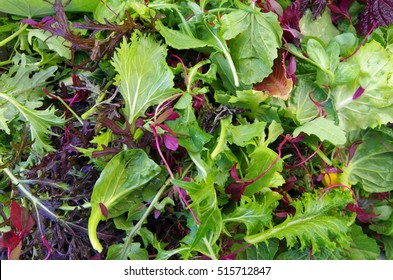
<point x="324" y="129"/>
<point x="255" y="44"/>
<point x="126" y="172"/>
<point x="372" y="163"/>
<point x="316" y="220"/>
<point x="144" y="77"/>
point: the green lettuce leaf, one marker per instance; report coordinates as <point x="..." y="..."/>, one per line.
<point x="316" y="221"/>
<point x="145" y="78"/>
<point x="375" y="106"/>
<point x="362" y="247"/>
<point x="372" y="163"/>
<point x="254" y="39"/>
<point x="324" y="129"/>
<point x="126" y="172"/>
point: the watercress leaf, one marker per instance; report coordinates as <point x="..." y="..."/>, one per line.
<point x="316" y="220"/>
<point x="126" y="172"/>
<point x="375" y="106"/>
<point x="254" y="49"/>
<point x="362" y="247"/>
<point x="145" y="78"/>
<point x="324" y="129"/>
<point x="372" y="163"/>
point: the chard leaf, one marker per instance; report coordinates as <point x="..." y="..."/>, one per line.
<point x="375" y="106"/>
<point x="316" y="221"/>
<point x="255" y="46"/>
<point x="144" y="77"/>
<point x="126" y="172"/>
<point x="372" y="163"/>
<point x="324" y="129"/>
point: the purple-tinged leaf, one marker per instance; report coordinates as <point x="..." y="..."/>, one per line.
<point x="362" y="215"/>
<point x="234" y="173"/>
<point x="156" y="214"/>
<point x="47" y="246"/>
<point x="21" y="219"/>
<point x="236" y="190"/>
<point x="9" y="240"/>
<point x="358" y="93"/>
<point x="104" y="210"/>
<point x="171" y="142"/>
<point x="376" y="13"/>
<point x="167" y="115"/>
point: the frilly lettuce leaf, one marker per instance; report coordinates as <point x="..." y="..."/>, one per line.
<point x="145" y="78"/>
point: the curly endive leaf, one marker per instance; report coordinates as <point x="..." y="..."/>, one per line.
<point x="124" y="173"/>
<point x="317" y="220"/>
<point x="145" y="78"/>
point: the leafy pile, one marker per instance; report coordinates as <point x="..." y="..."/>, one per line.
<point x="196" y="129"/>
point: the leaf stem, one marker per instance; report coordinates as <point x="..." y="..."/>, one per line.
<point x="138" y="226"/>
<point x="320" y="154"/>
<point x="221" y="140"/>
<point x="12" y="36"/>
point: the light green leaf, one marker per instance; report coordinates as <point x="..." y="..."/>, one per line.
<point x="254" y="214"/>
<point x="255" y="47"/>
<point x="324" y="129"/>
<point x="241" y="135"/>
<point x="3" y="121"/>
<point x="134" y="252"/>
<point x="54" y="43"/>
<point x="316" y="221"/>
<point x="318" y="54"/>
<point x="388" y="246"/>
<point x="128" y="171"/>
<point x="375" y="106"/>
<point x="144" y="77"/>
<point x="362" y="247"/>
<point x="261" y="158"/>
<point x="39" y="8"/>
<point x="40" y="123"/>
<point x="322" y="27"/>
<point x="372" y="164"/>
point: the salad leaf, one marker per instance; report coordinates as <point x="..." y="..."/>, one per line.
<point x="144" y="77"/>
<point x="372" y="163"/>
<point x="362" y="247"/>
<point x="126" y="172"/>
<point x="255" y="44"/>
<point x="39" y="8"/>
<point x="376" y="13"/>
<point x="315" y="221"/>
<point x="375" y="106"/>
<point x="324" y="129"/>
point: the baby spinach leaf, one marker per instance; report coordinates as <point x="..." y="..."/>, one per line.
<point x="128" y="171"/>
<point x="145" y="78"/>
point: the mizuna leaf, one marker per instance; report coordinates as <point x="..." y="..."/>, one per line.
<point x="376" y="13"/>
<point x="144" y="77"/>
<point x="324" y="129"/>
<point x="318" y="221"/>
<point x="127" y="171"/>
<point x="40" y="123"/>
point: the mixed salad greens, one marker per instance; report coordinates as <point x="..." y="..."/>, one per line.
<point x="210" y="129"/>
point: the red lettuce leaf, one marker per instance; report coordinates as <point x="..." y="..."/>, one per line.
<point x="21" y="219"/>
<point x="376" y="13"/>
<point x="9" y="240"/>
